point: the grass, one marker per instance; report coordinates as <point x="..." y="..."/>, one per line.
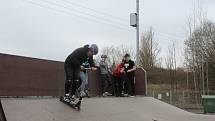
<point x="159" y="87"/>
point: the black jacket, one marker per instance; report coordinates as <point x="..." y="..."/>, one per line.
<point x="79" y="56"/>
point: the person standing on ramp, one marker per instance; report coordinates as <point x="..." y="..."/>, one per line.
<point x="129" y="68"/>
<point x="72" y="69"/>
<point x="104" y="74"/>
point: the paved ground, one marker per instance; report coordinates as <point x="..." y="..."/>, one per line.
<point x="98" y="109"/>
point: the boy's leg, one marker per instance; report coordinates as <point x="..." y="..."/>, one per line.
<point x="102" y="83"/>
<point x="120" y="85"/>
<point x="131" y="85"/>
<point x="108" y="85"/>
<point x="69" y="77"/>
<point x="68" y="82"/>
<point x="112" y="84"/>
<point x="87" y="85"/>
<point x="83" y="84"/>
<point x="116" y="89"/>
<point x="105" y="83"/>
<point x="76" y="81"/>
<point x="126" y="84"/>
<point x="119" y="81"/>
<point x="67" y="86"/>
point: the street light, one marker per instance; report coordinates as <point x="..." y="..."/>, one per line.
<point x="134" y="22"/>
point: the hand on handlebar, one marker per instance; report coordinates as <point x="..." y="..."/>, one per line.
<point x="82" y="68"/>
<point x="128" y="71"/>
<point x="94" y="68"/>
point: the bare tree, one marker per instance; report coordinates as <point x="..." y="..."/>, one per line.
<point x="200" y="49"/>
<point x="115" y="54"/>
<point x="149" y="50"/>
<point x="171" y="65"/>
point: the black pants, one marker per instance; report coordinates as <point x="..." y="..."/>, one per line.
<point x="72" y="79"/>
<point x="129" y="86"/>
<point x="106" y="83"/>
<point x="118" y="85"/>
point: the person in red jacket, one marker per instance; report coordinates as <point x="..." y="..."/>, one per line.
<point x="118" y="79"/>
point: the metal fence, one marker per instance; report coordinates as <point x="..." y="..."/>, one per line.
<point x="182" y="99"/>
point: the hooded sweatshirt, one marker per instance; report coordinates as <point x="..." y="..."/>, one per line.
<point x="79" y="56"/>
<point x="117" y="70"/>
<point x="103" y="67"/>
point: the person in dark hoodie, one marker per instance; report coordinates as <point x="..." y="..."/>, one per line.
<point x="129" y="68"/>
<point x="72" y="67"/>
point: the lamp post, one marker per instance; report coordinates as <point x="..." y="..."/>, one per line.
<point x="134" y="22"/>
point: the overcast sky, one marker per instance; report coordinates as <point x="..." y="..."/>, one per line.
<point x="51" y="29"/>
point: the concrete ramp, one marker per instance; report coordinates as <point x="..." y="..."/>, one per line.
<point x="97" y="109"/>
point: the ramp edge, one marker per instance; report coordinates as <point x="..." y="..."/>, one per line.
<point x="2" y="114"/>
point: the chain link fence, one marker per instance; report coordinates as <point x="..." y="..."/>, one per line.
<point x="188" y="100"/>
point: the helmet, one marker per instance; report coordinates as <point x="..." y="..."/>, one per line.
<point x="94" y="48"/>
<point x="104" y="56"/>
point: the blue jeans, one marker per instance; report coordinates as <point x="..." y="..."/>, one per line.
<point x="84" y="78"/>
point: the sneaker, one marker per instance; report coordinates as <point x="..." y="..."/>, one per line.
<point x="83" y="94"/>
<point x="72" y="102"/>
<point x="66" y="98"/>
<point x="125" y="95"/>
<point x="132" y="96"/>
<point x="67" y="94"/>
<point x="122" y="93"/>
<point x="108" y="94"/>
<point x="104" y="95"/>
<point x="72" y="98"/>
<point x="87" y="93"/>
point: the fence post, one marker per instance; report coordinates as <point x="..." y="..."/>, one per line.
<point x="170" y="97"/>
<point x="153" y="93"/>
<point x="183" y="101"/>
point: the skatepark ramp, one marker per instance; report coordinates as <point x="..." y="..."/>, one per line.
<point x="97" y="109"/>
<point x="2" y="115"/>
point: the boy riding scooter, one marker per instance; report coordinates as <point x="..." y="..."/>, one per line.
<point x="72" y="69"/>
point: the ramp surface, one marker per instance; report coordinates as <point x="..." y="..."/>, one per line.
<point x="97" y="109"/>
